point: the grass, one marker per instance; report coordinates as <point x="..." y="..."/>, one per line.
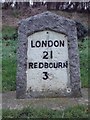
<point x="0" y="64"/>
<point x="83" y="52"/>
<point x="8" y="32"/>
<point x="0" y="114"/>
<point x="72" y="112"/>
<point x="9" y="45"/>
<point x="9" y="59"/>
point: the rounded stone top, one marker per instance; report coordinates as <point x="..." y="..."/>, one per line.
<point x="46" y="21"/>
<point x="45" y="14"/>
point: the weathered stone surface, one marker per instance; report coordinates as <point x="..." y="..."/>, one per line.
<point x="53" y="22"/>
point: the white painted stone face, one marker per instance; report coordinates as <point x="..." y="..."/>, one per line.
<point x="47" y="61"/>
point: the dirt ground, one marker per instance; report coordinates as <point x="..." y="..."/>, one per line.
<point x="9" y="101"/>
<point x="11" y="17"/>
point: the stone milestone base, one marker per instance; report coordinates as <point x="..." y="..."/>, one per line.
<point x="10" y="101"/>
<point x="50" y="94"/>
<point x="53" y="94"/>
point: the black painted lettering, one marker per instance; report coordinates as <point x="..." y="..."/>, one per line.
<point x="40" y="65"/>
<point x="55" y="65"/>
<point x="38" y="44"/>
<point x="45" y="77"/>
<point x="50" y="65"/>
<point x="30" y="65"/>
<point x="60" y="64"/>
<point x="35" y="65"/>
<point x="56" y="43"/>
<point x="65" y="64"/>
<point x="50" y="43"/>
<point x="61" y="43"/>
<point x="32" y="44"/>
<point x="45" y="55"/>
<point x="51" y="54"/>
<point x="46" y="65"/>
<point x="44" y="43"/>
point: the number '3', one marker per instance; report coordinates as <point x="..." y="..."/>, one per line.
<point x="45" y="75"/>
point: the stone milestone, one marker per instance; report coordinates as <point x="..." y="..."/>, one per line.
<point x="47" y="57"/>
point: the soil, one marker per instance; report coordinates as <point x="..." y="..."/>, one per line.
<point x="9" y="101"/>
<point x="11" y="17"/>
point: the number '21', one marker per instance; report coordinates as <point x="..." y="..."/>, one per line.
<point x="47" y="55"/>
